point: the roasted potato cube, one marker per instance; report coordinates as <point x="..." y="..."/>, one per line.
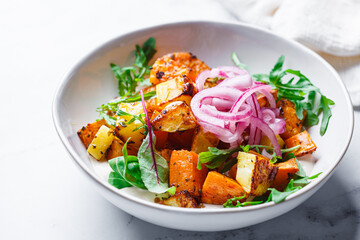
<point x="203" y="140"/>
<point x="286" y="171"/>
<point x="255" y="173"/>
<point x="218" y="188"/>
<point x="177" y="89"/>
<point x="101" y="142"/>
<point x="87" y="133"/>
<point x="263" y="101"/>
<point x="293" y="123"/>
<point x="124" y="130"/>
<point x="181" y="199"/>
<point x="177" y="116"/>
<point x="183" y="173"/>
<point x="266" y="141"/>
<point x="176" y="64"/>
<point x="304" y="140"/>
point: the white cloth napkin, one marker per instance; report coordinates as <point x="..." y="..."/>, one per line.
<point x="330" y="27"/>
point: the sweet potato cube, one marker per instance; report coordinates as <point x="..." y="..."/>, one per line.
<point x="161" y="138"/>
<point x="166" y="153"/>
<point x="232" y="171"/>
<point x="286" y="171"/>
<point x="255" y="173"/>
<point x="87" y="134"/>
<point x="182" y="139"/>
<point x="304" y="140"/>
<point x="177" y="116"/>
<point x="263" y="101"/>
<point x="218" y="188"/>
<point x="183" y="172"/>
<point x="293" y="123"/>
<point x="203" y="140"/>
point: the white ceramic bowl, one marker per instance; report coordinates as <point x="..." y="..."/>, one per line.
<point x="90" y="83"/>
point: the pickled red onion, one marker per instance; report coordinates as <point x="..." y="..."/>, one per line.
<point x="231" y="108"/>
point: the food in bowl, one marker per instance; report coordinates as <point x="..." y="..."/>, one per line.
<point x="199" y="135"/>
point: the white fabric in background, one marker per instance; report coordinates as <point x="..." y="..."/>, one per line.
<point x="330" y="27"/>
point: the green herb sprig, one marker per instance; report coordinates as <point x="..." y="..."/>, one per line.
<point x="129" y="77"/>
<point x="301" y="92"/>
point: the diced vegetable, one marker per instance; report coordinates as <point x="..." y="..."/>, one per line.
<point x="233" y="171"/>
<point x="126" y="127"/>
<point x="263" y="101"/>
<point x="176" y="64"/>
<point x="101" y="142"/>
<point x="166" y="153"/>
<point x="182" y="139"/>
<point x="293" y="123"/>
<point x="203" y="140"/>
<point x="266" y="141"/>
<point x="115" y="149"/>
<point x="177" y="116"/>
<point x="254" y="173"/>
<point x="183" y="172"/>
<point x="304" y="140"/>
<point x="177" y="89"/>
<point x="161" y="138"/>
<point x="218" y="188"/>
<point x="286" y="171"/>
<point x="181" y="199"/>
<point x="87" y="133"/>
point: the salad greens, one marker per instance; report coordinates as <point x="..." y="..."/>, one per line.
<point x="129" y="77"/>
<point x="301" y="92"/>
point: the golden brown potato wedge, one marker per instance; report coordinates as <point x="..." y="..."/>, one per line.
<point x="177" y="116"/>
<point x="177" y="89"/>
<point x="101" y="142"/>
<point x="203" y="140"/>
<point x="255" y="173"/>
<point x="181" y="199"/>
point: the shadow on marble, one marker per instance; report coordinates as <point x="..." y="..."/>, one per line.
<point x="328" y="214"/>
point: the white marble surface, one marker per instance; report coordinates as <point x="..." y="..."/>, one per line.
<point x="44" y="196"/>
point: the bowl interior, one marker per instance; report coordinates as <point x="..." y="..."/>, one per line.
<point x="90" y="83"/>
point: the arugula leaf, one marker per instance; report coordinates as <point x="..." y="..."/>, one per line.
<point x="277" y="196"/>
<point x="129" y="77"/>
<point x="109" y="119"/>
<point x="126" y="171"/>
<point x="156" y="181"/>
<point x="301" y="92"/>
<point x="237" y="61"/>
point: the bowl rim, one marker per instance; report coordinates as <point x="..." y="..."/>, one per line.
<point x="92" y="175"/>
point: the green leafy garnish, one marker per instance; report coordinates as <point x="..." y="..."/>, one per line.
<point x="126" y="171"/>
<point x="154" y="178"/>
<point x="237" y="61"/>
<point x="129" y="77"/>
<point x="113" y="106"/>
<point x="301" y="92"/>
